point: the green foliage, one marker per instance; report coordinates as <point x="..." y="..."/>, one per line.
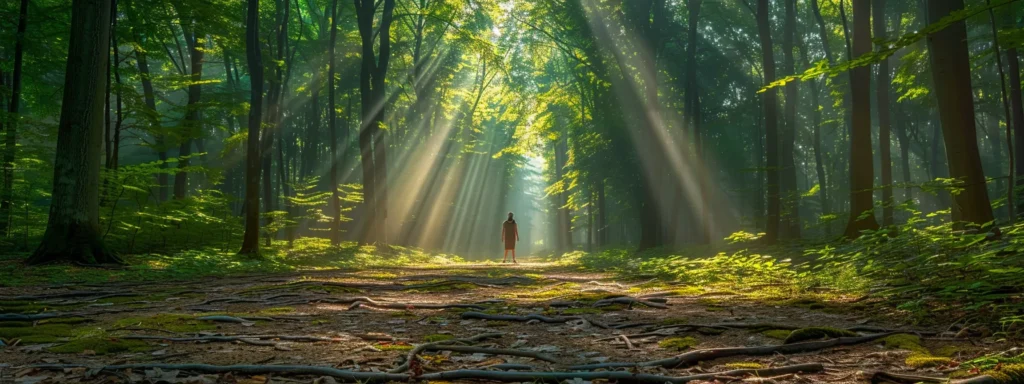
<point x="100" y="345"/>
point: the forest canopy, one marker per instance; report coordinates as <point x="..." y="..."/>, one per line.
<point x="599" y="123"/>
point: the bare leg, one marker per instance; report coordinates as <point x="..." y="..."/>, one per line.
<point x="514" y="257"/>
<point x="506" y="257"/>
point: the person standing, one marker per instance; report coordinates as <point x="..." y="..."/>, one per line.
<point x="510" y="235"/>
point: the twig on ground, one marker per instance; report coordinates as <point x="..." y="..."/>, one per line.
<point x="422" y="347"/>
<point x="491" y="351"/>
<point x="628" y="301"/>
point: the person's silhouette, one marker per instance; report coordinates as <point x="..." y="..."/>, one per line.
<point x="510" y="235"/>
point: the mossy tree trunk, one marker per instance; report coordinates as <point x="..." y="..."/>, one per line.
<point x="73" y="229"/>
<point x="251" y="239"/>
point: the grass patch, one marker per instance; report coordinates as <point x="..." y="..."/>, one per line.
<point x="780" y="334"/>
<point x="582" y="311"/>
<point x="44" y="333"/>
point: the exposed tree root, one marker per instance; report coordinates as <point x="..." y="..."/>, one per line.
<point x="59" y="315"/>
<point x="491" y="351"/>
<point x="694" y="357"/>
<point x="628" y="301"/>
<point x="422" y="347"/>
<point x="541" y="318"/>
<point x="228" y="339"/>
<point x="360" y="301"/>
<point x="466" y="374"/>
<point x="899" y="378"/>
<point x="62" y="295"/>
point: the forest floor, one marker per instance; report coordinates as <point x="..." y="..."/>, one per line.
<point x="463" y="322"/>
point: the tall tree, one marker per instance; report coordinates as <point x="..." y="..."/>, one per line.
<point x="251" y="239"/>
<point x="1006" y="113"/>
<point x="882" y="101"/>
<point x="790" y="195"/>
<point x="862" y="173"/>
<point x="1016" y="106"/>
<point x="191" y="127"/>
<point x="332" y="124"/>
<point x="771" y="120"/>
<point x="73" y="228"/>
<point x="11" y="134"/>
<point x="693" y="115"/>
<point x="372" y="139"/>
<point x="951" y="73"/>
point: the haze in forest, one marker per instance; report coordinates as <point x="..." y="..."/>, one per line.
<point x="130" y="126"/>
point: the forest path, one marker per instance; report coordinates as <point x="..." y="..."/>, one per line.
<point x="369" y="320"/>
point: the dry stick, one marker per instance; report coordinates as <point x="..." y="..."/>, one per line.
<point x="628" y="301"/>
<point x="422" y="347"/>
<point x="541" y="318"/>
<point x="697" y="356"/>
<point x="629" y="344"/>
<point x="467" y="374"/>
<point x="492" y="351"/>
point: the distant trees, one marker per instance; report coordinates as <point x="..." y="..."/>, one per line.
<point x="11" y="123"/>
<point x="73" y="230"/>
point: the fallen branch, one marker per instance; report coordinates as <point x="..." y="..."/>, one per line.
<point x="541" y="318"/>
<point x="422" y="347"/>
<point x="629" y="344"/>
<point x="694" y="357"/>
<point x="466" y="374"/>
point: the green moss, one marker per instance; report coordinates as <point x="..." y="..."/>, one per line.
<point x="437" y="337"/>
<point x="44" y="333"/>
<point x="814" y="333"/>
<point x="921" y="360"/>
<point x="904" y="341"/>
<point x="581" y="311"/>
<point x="277" y="311"/>
<point x="1008" y="373"/>
<point x="443" y="288"/>
<point x="780" y="334"/>
<point x="948" y="351"/>
<point x="100" y="345"/>
<point x="167" y="321"/>
<point x="678" y="343"/>
<point x="745" y="365"/>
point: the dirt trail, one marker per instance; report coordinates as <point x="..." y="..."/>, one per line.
<point x="368" y="321"/>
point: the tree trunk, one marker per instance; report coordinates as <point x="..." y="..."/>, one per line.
<point x="693" y="115"/>
<point x="1017" y="108"/>
<point x="770" y="99"/>
<point x="882" y="101"/>
<point x="1006" y="115"/>
<point x="10" y="136"/>
<point x="862" y="173"/>
<point x="73" y="229"/>
<point x="951" y="72"/>
<point x="372" y="139"/>
<point x="115" y="154"/>
<point x="790" y="195"/>
<point x="251" y="239"/>
<point x="332" y="124"/>
<point x="819" y="162"/>
<point x="192" y="126"/>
